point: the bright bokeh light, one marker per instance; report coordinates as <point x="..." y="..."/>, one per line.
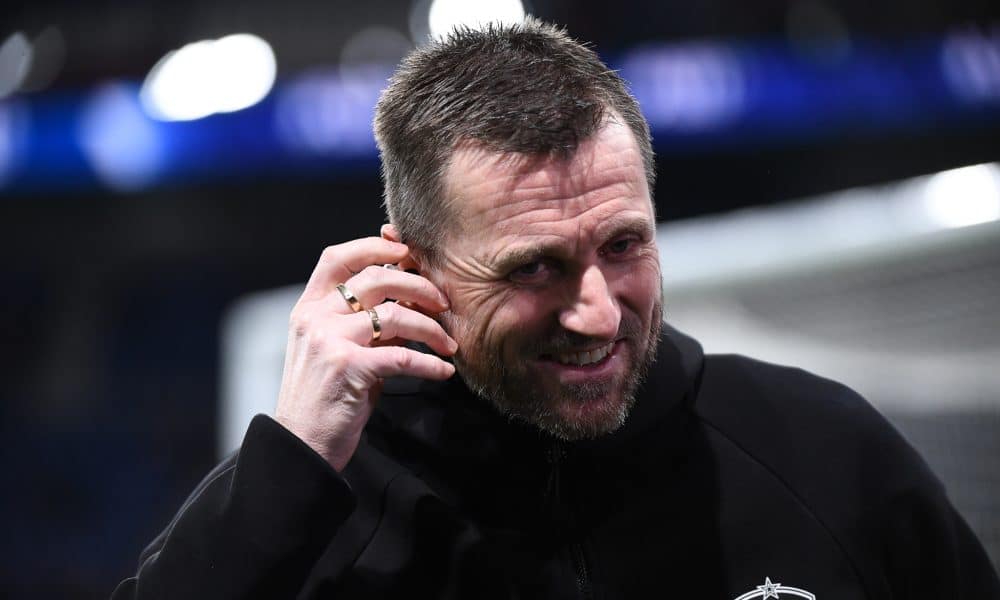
<point x="966" y="196"/>
<point x="15" y="60"/>
<point x="417" y="21"/>
<point x="208" y="77"/>
<point x="48" y="55"/>
<point x="970" y="61"/>
<point x="445" y="15"/>
<point x="119" y="141"/>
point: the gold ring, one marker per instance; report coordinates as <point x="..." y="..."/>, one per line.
<point x="350" y="298"/>
<point x="376" y="324"/>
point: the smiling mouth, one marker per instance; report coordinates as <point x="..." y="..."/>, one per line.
<point x="586" y="357"/>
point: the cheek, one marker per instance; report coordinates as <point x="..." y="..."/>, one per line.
<point x="639" y="286"/>
<point x="476" y="311"/>
<point x="498" y="320"/>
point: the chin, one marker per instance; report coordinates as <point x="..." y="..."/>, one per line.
<point x="583" y="417"/>
<point x="569" y="412"/>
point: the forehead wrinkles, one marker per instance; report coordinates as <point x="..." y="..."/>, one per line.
<point x="502" y="188"/>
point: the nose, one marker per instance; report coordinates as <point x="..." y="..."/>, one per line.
<point x="593" y="310"/>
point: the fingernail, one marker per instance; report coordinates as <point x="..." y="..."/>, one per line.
<point x="452" y="345"/>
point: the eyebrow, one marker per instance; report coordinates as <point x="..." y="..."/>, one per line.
<point x="639" y="227"/>
<point x="516" y="257"/>
<point x="529" y="253"/>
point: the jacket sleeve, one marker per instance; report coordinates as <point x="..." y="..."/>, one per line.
<point x="932" y="553"/>
<point x="254" y="527"/>
<point x="928" y="552"/>
<point x="869" y="487"/>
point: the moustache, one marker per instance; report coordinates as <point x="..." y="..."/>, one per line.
<point x="562" y="341"/>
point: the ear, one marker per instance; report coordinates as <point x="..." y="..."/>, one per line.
<point x="412" y="260"/>
<point x="389" y="232"/>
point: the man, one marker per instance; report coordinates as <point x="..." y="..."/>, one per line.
<point x="580" y="451"/>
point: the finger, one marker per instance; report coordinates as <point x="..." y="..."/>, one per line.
<point x="394" y="361"/>
<point x="400" y="322"/>
<point x="375" y="284"/>
<point x="339" y="263"/>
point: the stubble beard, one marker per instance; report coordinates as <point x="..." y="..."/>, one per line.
<point x="515" y="393"/>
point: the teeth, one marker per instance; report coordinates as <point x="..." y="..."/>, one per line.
<point x="585" y="358"/>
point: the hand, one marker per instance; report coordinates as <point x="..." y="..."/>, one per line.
<point x="333" y="370"/>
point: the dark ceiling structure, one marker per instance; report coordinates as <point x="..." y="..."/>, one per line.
<point x="122" y="40"/>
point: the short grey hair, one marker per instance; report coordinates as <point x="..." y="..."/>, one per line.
<point x="526" y="88"/>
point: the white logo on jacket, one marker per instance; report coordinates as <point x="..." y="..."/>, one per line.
<point x="776" y="590"/>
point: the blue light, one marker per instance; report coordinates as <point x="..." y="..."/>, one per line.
<point x="697" y="97"/>
<point x="330" y="113"/>
<point x="121" y="143"/>
<point x="971" y="64"/>
<point x="14" y="128"/>
<point x="686" y="88"/>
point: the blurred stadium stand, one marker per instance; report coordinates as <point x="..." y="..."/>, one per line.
<point x="130" y="245"/>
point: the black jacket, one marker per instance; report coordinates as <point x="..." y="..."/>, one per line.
<point x="732" y="479"/>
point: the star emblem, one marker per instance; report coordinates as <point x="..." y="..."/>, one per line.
<point x="770" y="590"/>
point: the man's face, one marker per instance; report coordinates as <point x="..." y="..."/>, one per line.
<point x="553" y="275"/>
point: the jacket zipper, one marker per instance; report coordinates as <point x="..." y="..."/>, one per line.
<point x="556" y="453"/>
<point x="582" y="576"/>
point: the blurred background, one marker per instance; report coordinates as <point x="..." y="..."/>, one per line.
<point x="169" y="173"/>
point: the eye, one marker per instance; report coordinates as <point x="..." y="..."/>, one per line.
<point x="620" y="246"/>
<point x="533" y="272"/>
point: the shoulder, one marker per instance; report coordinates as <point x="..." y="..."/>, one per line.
<point x="819" y="436"/>
<point x="849" y="468"/>
<point x="738" y="387"/>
